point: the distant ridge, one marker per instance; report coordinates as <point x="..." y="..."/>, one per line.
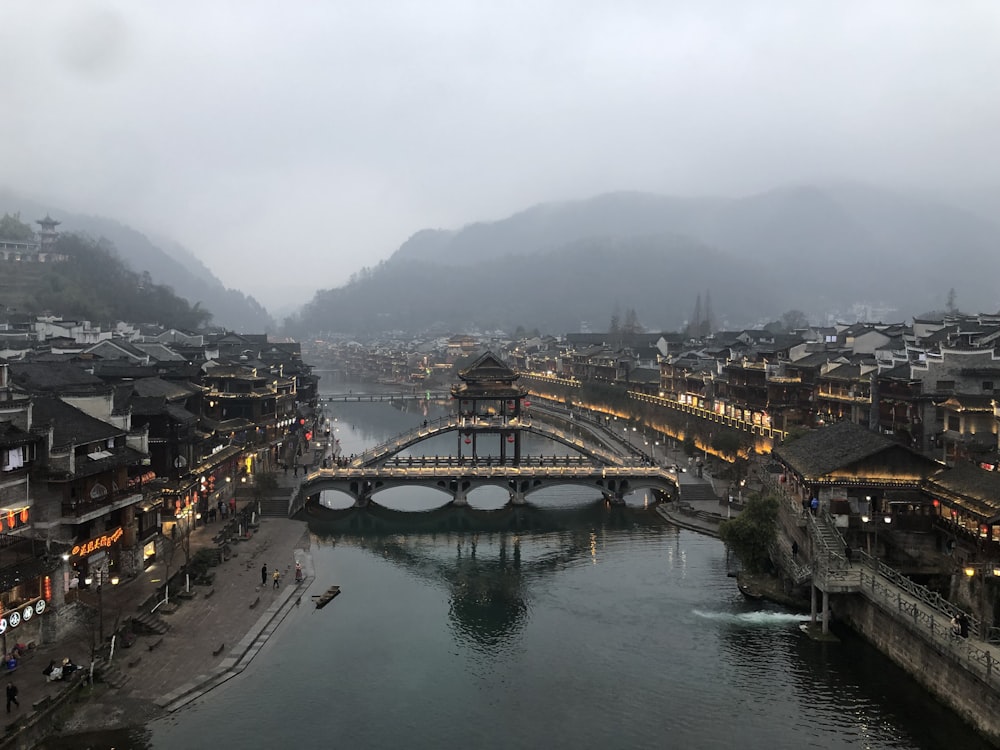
<point x="820" y="249"/>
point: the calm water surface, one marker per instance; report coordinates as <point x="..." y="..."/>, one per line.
<point x="578" y="626"/>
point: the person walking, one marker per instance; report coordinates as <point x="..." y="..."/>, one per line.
<point x="12" y="695"/>
<point x="263" y="575"/>
<point x="298" y="572"/>
<point x="276" y="578"/>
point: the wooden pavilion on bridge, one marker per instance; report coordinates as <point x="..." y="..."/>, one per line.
<point x="489" y="404"/>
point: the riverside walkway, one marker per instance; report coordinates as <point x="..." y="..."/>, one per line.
<point x="213" y="634"/>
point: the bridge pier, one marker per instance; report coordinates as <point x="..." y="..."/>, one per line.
<point x="517" y="498"/>
<point x="460" y="498"/>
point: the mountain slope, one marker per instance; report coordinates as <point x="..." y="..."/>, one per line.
<point x="819" y="249"/>
<point x="167" y="263"/>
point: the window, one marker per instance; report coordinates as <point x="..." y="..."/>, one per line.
<point x="987" y="386"/>
<point x="946" y="385"/>
<point x="953" y="424"/>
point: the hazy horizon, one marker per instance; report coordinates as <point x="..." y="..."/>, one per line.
<point x="325" y="135"/>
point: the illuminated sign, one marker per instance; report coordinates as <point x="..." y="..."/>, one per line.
<point x="100" y="542"/>
<point x="22" y="614"/>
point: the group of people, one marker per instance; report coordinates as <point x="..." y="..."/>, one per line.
<point x="60" y="670"/>
<point x="276" y="575"/>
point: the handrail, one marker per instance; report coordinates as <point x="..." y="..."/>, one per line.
<point x="979" y="661"/>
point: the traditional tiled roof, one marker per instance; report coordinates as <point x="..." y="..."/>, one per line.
<point x="169" y="389"/>
<point x="826" y="449"/>
<point x="54" y="377"/>
<point x="12" y="436"/>
<point x="487" y="367"/>
<point x="978" y="489"/>
<point x="69" y="423"/>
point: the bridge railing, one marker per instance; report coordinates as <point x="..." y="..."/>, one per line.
<point x="432" y="426"/>
<point x="449" y="422"/>
<point x="432" y="464"/>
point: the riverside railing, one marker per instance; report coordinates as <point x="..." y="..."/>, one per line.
<point x="930" y="623"/>
<point x="932" y="599"/>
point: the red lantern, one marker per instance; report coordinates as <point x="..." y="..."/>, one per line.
<point x="510" y="438"/>
<point x="24" y="516"/>
<point x="468" y="440"/>
<point x="510" y="405"/>
<point x="10" y="519"/>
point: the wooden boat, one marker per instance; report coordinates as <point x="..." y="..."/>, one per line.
<point x="326" y="597"/>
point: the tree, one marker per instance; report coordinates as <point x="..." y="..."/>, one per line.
<point x="12" y="228"/>
<point x="951" y="305"/>
<point x="751" y="533"/>
<point x="632" y="324"/>
<point x="794" y="319"/>
<point x="689" y="444"/>
<point x="264" y="484"/>
<point x="615" y="327"/>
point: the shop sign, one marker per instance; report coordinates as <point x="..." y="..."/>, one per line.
<point x="97" y="543"/>
<point x="22" y="614"/>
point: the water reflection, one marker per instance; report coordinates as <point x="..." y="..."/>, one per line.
<point x="489" y="574"/>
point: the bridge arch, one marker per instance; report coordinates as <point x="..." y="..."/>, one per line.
<point x="380" y="454"/>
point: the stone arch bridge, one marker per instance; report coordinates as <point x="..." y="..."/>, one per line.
<point x="383" y="468"/>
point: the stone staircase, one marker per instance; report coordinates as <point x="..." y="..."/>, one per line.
<point x="833" y="570"/>
<point x="111" y="675"/>
<point x="697" y="491"/>
<point x="146" y="622"/>
<point x="274" y="506"/>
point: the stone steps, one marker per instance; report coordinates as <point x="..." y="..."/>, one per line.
<point x="150" y="623"/>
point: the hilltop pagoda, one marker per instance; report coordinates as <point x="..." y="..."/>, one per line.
<point x="489" y="403"/>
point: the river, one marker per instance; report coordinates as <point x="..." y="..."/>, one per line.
<point x="586" y="626"/>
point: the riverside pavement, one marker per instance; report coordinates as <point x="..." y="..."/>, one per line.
<point x="212" y="635"/>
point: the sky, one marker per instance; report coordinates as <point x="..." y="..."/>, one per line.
<point x="289" y="144"/>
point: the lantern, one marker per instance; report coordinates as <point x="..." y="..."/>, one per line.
<point x="10" y="519"/>
<point x="468" y="440"/>
<point x="510" y="438"/>
<point x="24" y="516"/>
<point x="510" y="405"/>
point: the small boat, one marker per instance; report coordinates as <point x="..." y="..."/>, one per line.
<point x="749" y="591"/>
<point x="326" y="597"/>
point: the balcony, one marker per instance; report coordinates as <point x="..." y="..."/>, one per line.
<point x="76" y="512"/>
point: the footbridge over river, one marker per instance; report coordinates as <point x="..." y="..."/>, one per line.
<point x="385" y="467"/>
<point x="457" y="478"/>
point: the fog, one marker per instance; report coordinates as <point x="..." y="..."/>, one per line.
<point x="318" y="136"/>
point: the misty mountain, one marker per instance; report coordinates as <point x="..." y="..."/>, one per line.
<point x="167" y="263"/>
<point x="552" y="266"/>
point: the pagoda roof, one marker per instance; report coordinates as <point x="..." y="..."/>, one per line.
<point x="485" y="368"/>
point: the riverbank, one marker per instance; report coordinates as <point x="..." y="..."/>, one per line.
<point x="212" y="635"/>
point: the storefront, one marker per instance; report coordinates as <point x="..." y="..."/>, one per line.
<point x="95" y="561"/>
<point x="26" y="595"/>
